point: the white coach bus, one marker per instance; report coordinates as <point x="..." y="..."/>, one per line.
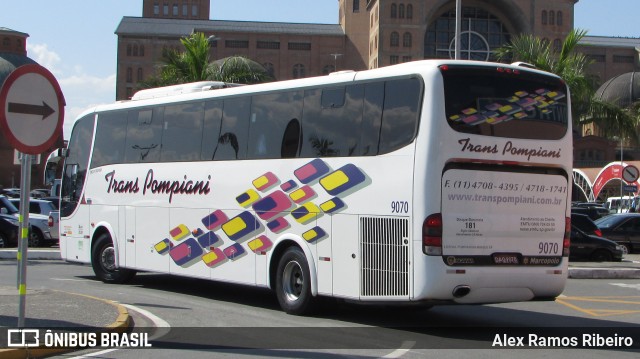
<point x="421" y="183"/>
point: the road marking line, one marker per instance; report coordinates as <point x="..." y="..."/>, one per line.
<point x="162" y="326"/>
<point x="404" y="349"/>
<point x="95" y="354"/>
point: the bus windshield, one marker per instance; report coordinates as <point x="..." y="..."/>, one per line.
<point x="505" y="103"/>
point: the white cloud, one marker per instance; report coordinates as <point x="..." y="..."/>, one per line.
<point x="81" y="90"/>
<point x="45" y="57"/>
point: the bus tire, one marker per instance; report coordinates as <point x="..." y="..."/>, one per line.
<point x="103" y="262"/>
<point x="293" y="283"/>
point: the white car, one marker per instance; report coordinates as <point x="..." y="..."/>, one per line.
<point x="41" y="233"/>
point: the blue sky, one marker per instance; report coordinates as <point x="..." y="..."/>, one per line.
<point x="75" y="39"/>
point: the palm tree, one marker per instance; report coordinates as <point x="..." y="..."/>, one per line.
<point x="238" y="69"/>
<point x="571" y="66"/>
<point x="193" y="64"/>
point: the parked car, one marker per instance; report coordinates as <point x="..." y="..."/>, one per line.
<point x="587" y="247"/>
<point x="9" y="228"/>
<point x="623" y="228"/>
<point x="585" y="224"/>
<point x="39" y="233"/>
<point x="594" y="212"/>
<point x="36" y="206"/>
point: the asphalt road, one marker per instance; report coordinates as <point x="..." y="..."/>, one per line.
<point x="196" y="318"/>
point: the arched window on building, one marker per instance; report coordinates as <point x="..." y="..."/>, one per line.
<point x="557" y="45"/>
<point x="544" y="17"/>
<point x="407" y="40"/>
<point x="487" y="34"/>
<point x="6" y="42"/>
<point x="409" y="11"/>
<point x="552" y="18"/>
<point x="298" y="71"/>
<point x="356" y="5"/>
<point x="394" y="11"/>
<point x="129" y="51"/>
<point x="401" y="11"/>
<point x="135" y="50"/>
<point x="129" y="74"/>
<point x="559" y="19"/>
<point x="140" y="74"/>
<point x="395" y="39"/>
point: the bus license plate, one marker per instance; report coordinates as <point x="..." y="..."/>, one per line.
<point x="506" y="258"/>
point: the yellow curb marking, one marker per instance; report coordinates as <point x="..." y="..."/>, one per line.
<point x="626" y="300"/>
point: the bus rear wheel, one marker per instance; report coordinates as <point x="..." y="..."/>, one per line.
<point x="293" y="283"/>
<point x="103" y="261"/>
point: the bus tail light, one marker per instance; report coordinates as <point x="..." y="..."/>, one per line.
<point x="566" y="242"/>
<point x="432" y="235"/>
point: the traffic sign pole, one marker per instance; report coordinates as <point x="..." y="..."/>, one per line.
<point x="31" y="116"/>
<point x="23" y="241"/>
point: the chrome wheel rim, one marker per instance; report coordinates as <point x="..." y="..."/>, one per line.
<point x="108" y="259"/>
<point x="293" y="281"/>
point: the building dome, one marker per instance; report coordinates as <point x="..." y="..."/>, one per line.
<point x="622" y="90"/>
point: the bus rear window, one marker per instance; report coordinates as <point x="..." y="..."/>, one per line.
<point x="505" y="103"/>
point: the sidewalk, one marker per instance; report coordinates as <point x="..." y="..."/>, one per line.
<point x="56" y="310"/>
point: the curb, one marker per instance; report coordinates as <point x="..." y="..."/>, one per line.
<point x="35" y="254"/>
<point x="120" y="325"/>
<point x="604" y="273"/>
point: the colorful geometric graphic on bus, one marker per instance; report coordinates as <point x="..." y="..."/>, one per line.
<point x="179" y="233"/>
<point x="240" y="226"/>
<point x="214" y="220"/>
<point x="213" y="258"/>
<point x="234" y="251"/>
<point x="305" y="213"/>
<point x="332" y="205"/>
<point x="311" y="171"/>
<point x="185" y="252"/>
<point x="509" y="108"/>
<point x="314" y="234"/>
<point x="278" y="225"/>
<point x="272" y="205"/>
<point x="208" y="239"/>
<point x="302" y="194"/>
<point x="163" y="246"/>
<point x="343" y="179"/>
<point x="289" y="185"/>
<point x="247" y="198"/>
<point x="265" y="182"/>
<point x="197" y="232"/>
<point x="260" y="245"/>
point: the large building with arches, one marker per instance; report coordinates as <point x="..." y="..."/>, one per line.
<point x="368" y="34"/>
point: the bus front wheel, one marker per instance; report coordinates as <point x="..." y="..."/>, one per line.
<point x="293" y="282"/>
<point x="103" y="261"/>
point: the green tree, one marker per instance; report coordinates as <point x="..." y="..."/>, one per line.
<point x="572" y="66"/>
<point x="194" y="64"/>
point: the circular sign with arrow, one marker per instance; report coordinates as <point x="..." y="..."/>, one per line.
<point x="32" y="109"/>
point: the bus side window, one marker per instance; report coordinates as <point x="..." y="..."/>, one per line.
<point x="144" y="135"/>
<point x="371" y="120"/>
<point x="211" y="129"/>
<point x="272" y="134"/>
<point x="234" y="131"/>
<point x="182" y="137"/>
<point x="400" y="116"/>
